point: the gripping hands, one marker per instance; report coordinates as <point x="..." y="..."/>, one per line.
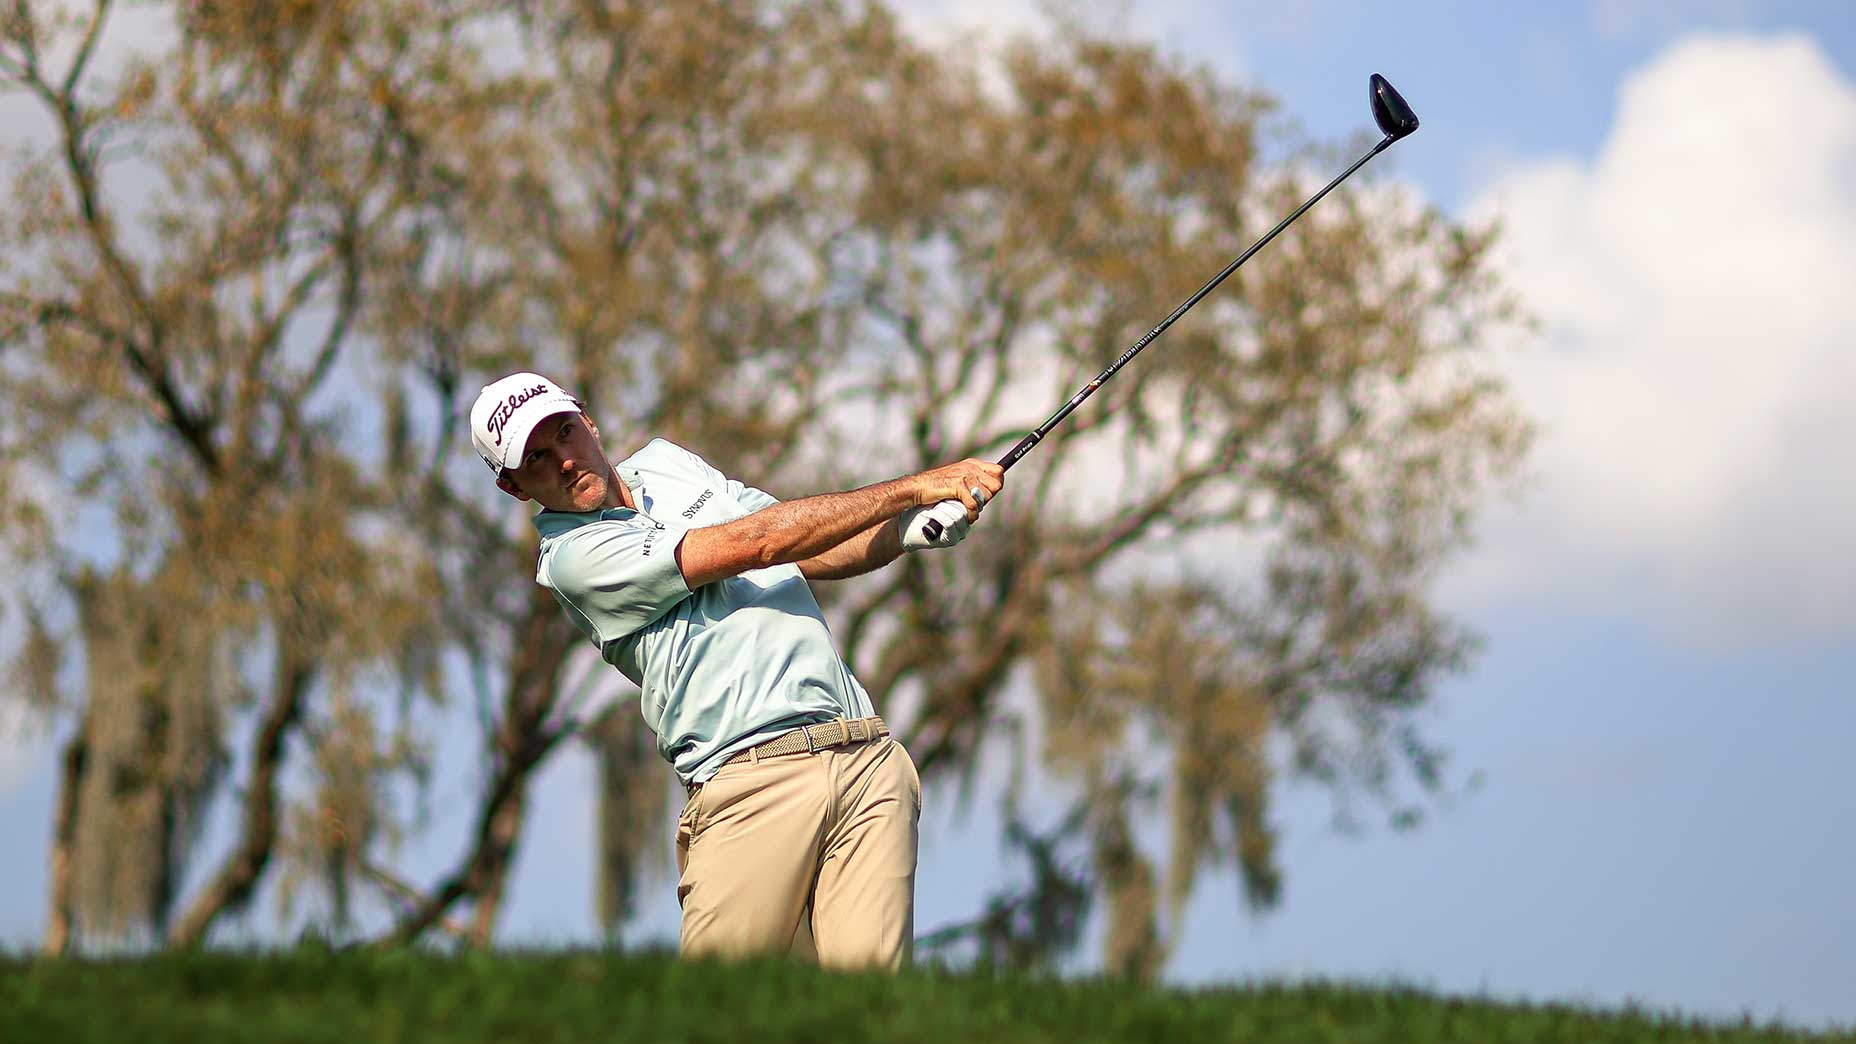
<point x="953" y="496"/>
<point x="933" y="525"/>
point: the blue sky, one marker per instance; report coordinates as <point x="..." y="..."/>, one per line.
<point x="1661" y="716"/>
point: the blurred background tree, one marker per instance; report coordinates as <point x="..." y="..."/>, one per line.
<point x="263" y="257"/>
<point x="187" y="257"/>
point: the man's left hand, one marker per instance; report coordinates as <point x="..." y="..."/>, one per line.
<point x="952" y="515"/>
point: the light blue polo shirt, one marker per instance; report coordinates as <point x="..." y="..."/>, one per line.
<point x="721" y="668"/>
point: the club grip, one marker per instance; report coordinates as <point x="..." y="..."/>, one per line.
<point x="936" y="520"/>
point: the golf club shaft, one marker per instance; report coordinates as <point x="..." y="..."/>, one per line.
<point x="1025" y="444"/>
<point x="1394" y="118"/>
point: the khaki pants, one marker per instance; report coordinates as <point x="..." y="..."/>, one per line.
<point x="807" y="852"/>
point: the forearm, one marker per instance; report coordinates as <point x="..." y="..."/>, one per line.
<point x="797" y="530"/>
<point x="869" y="550"/>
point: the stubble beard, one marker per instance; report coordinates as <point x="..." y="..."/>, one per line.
<point x="588" y="492"/>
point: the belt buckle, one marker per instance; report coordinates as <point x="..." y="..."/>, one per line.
<point x="842" y="736"/>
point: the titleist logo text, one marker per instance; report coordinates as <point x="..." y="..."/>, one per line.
<point x="500" y="416"/>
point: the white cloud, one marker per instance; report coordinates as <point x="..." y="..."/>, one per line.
<point x="1200" y="29"/>
<point x="988" y="21"/>
<point x="1695" y="383"/>
<point x="1614" y="19"/>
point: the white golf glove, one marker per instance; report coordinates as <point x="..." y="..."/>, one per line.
<point x="951" y="514"/>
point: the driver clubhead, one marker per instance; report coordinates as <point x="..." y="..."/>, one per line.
<point x="1394" y="117"/>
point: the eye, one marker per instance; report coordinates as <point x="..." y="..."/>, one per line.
<point x="567" y="430"/>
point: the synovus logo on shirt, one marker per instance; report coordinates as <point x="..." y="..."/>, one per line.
<point x="690" y="512"/>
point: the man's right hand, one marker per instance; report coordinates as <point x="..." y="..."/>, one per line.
<point x="960" y="481"/>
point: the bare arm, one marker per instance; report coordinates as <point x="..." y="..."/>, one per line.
<point x="866" y="552"/>
<point x="797" y="530"/>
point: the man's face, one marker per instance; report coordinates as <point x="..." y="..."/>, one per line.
<point x="562" y="467"/>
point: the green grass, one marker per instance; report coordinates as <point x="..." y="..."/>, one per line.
<point x="312" y="994"/>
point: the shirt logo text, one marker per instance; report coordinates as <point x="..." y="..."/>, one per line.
<point x="650" y="538"/>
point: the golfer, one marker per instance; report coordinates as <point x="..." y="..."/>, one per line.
<point x="801" y="827"/>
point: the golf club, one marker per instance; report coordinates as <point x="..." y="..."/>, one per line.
<point x="1395" y="120"/>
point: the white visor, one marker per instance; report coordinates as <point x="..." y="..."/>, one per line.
<point x="506" y="412"/>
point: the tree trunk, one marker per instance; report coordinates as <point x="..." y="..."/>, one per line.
<point x="58" y="919"/>
<point x="505" y="828"/>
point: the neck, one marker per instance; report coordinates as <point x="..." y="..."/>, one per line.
<point x="618" y="494"/>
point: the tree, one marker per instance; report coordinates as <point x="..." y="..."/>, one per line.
<point x="175" y="363"/>
<point x="796" y="240"/>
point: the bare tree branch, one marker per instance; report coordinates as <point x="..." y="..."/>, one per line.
<point x="79" y="164"/>
<point x="86" y="48"/>
<point x="238" y="875"/>
<point x="347" y="306"/>
<point x="397" y="888"/>
<point x="522" y="742"/>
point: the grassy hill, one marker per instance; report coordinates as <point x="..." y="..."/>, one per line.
<point x="311" y="994"/>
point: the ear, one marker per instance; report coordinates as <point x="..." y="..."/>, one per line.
<point x="504" y="483"/>
<point x="590" y="426"/>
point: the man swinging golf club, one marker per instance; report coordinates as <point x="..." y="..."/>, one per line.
<point x="801" y="827"/>
<point x="694" y="586"/>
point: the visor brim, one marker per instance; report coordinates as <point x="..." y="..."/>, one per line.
<point x="526" y="419"/>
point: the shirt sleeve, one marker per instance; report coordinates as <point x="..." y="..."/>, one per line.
<point x="745" y="495"/>
<point x="620" y="575"/>
<point x="753" y="499"/>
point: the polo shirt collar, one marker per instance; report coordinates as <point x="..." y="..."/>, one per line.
<point x="554" y="523"/>
<point x="634" y="481"/>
